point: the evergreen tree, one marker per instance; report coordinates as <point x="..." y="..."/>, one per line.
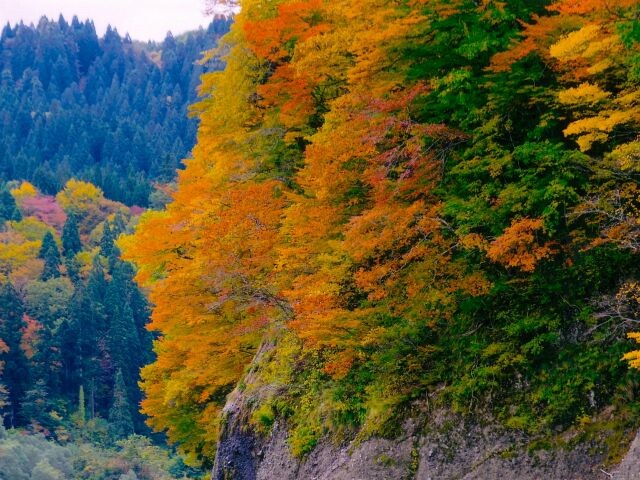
<point x="8" y="208"/>
<point x="51" y="255"/>
<point x="46" y="362"/>
<point x="16" y="369"/>
<point x="36" y="405"/>
<point x="118" y="226"/>
<point x="125" y="346"/>
<point x="69" y="337"/>
<point x="141" y="313"/>
<point x="120" y="421"/>
<point x="90" y="313"/>
<point x="96" y="283"/>
<point x="71" y="243"/>
<point x="106" y="242"/>
<point x="73" y="269"/>
<point x="82" y="354"/>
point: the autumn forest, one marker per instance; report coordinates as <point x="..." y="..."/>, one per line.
<point x="390" y="208"/>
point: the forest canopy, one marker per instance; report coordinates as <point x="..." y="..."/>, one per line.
<point x="109" y="110"/>
<point x="381" y="207"/>
<point x="392" y="201"/>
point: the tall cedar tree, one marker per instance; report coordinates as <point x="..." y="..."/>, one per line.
<point x="51" y="255"/>
<point x="71" y="243"/>
<point x="120" y="422"/>
<point x="16" y="368"/>
<point x="8" y="209"/>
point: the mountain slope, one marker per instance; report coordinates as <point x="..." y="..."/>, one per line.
<point x="398" y="203"/>
<point x="108" y="110"/>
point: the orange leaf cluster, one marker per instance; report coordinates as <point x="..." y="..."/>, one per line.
<point x="521" y="245"/>
<point x="30" y="336"/>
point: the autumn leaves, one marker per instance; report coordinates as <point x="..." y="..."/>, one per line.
<point x="326" y="202"/>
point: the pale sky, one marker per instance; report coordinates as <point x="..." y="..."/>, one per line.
<point x="142" y="19"/>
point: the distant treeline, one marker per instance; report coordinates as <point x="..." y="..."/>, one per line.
<point x="109" y="110"/>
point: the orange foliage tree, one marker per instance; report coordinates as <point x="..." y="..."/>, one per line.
<point x="252" y="241"/>
<point x="312" y="213"/>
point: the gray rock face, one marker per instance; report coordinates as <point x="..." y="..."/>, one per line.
<point x="446" y="448"/>
<point x="629" y="468"/>
<point x="235" y="457"/>
<point x="437" y="445"/>
<point x="372" y="460"/>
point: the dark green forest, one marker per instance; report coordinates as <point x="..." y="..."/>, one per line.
<point x="108" y="110"/>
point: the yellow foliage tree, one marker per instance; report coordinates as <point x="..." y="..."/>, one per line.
<point x="25" y="190"/>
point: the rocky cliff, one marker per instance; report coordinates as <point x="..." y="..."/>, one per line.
<point x="438" y="445"/>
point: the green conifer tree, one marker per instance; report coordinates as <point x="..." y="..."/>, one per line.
<point x="36" y="405"/>
<point x="106" y="242"/>
<point x="71" y="243"/>
<point x="73" y="269"/>
<point x="8" y="208"/>
<point x="15" y="375"/>
<point x="120" y="421"/>
<point x="51" y="255"/>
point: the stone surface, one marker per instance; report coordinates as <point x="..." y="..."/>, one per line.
<point x="445" y="448"/>
<point x="629" y="468"/>
<point x="433" y="445"/>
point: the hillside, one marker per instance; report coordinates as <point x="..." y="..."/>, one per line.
<point x="108" y="110"/>
<point x="72" y="341"/>
<point x="76" y="109"/>
<point x="403" y="243"/>
<point x="72" y="319"/>
<point x="395" y="208"/>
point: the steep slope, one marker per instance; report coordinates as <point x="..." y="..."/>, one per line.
<point x="448" y="447"/>
<point x="402" y="203"/>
